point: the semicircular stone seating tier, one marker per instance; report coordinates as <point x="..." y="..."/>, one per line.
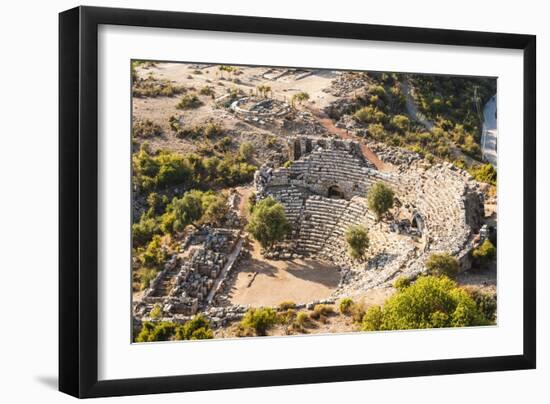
<point x="440" y="196"/>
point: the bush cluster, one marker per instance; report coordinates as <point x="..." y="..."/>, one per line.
<point x="146" y="128"/>
<point x="442" y="264"/>
<point x="154" y="87"/>
<point x="164" y="169"/>
<point x="196" y="328"/>
<point x="484" y="254"/>
<point x="430" y="302"/>
<point x="189" y="101"/>
<point x="259" y="320"/>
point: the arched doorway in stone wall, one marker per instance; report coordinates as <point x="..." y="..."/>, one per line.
<point x="297" y="152"/>
<point x="335" y="192"/>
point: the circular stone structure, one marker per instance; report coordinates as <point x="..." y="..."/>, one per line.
<point x="437" y="209"/>
<point x="259" y="107"/>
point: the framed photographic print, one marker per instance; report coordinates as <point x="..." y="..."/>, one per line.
<point x="251" y="201"/>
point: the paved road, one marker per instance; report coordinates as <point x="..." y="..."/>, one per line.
<point x="490" y="132"/>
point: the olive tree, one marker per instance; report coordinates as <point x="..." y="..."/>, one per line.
<point x="380" y="199"/>
<point x="358" y="240"/>
<point x="268" y="223"/>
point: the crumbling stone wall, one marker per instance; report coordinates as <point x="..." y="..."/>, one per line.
<point x="319" y="165"/>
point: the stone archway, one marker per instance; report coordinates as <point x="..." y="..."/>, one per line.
<point x="335" y="192"/>
<point x="297" y="152"/>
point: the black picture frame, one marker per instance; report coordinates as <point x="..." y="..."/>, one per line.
<point x="78" y="201"/>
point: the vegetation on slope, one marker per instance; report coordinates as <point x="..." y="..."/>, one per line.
<point x="429" y="302"/>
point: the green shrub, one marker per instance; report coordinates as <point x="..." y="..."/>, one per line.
<point x="358" y="310"/>
<point x="156" y="312"/>
<point x="376" y="131"/>
<point x="144" y="230"/>
<point x="251" y="202"/>
<point x="189" y="101"/>
<point x="357" y="239"/>
<point x="287" y="305"/>
<point x="259" y="319"/>
<point x="400" y="122"/>
<point x="302" y="319"/>
<point x="154" y="87"/>
<point x="380" y="199"/>
<point x="486" y="303"/>
<point x="151" y="332"/>
<point x="372" y="320"/>
<point x="246" y="151"/>
<point x="207" y="90"/>
<point x="142" y="277"/>
<point x="196" y="328"/>
<point x="320" y="311"/>
<point x="161" y="170"/>
<point x="427" y="303"/>
<point x="484" y="173"/>
<point x="153" y="255"/>
<point x="286" y="316"/>
<point x="402" y="282"/>
<point x="202" y="333"/>
<point x="146" y="128"/>
<point x="442" y="264"/>
<point x="484" y="254"/>
<point x="345" y="305"/>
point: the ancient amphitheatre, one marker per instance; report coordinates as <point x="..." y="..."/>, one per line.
<point x="316" y="142"/>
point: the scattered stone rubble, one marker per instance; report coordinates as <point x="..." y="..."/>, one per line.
<point x="192" y="277"/>
<point x="394" y="155"/>
<point x="347" y="82"/>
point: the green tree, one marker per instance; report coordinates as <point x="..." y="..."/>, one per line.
<point x="268" y="223"/>
<point x="215" y="207"/>
<point x="380" y="199"/>
<point x="430" y="302"/>
<point x="151" y="332"/>
<point x="187" y="209"/>
<point x="358" y="240"/>
<point x="345" y="305"/>
<point x="442" y="264"/>
<point x="143" y="231"/>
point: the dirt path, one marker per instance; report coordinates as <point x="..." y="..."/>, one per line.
<point x="344" y="134"/>
<point x="231" y="260"/>
<point x="265" y="282"/>
<point x="412" y="109"/>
